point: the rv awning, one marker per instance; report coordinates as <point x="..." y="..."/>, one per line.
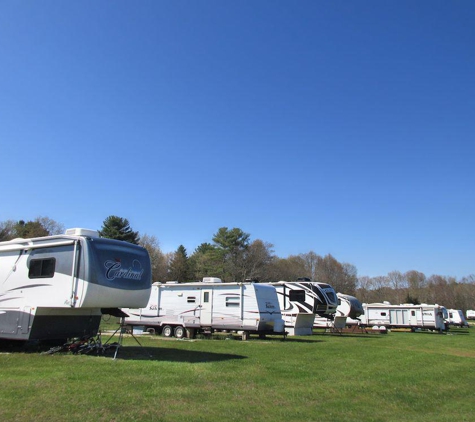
<point x="31" y="245"/>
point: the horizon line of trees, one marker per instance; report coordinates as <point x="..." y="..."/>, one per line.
<point x="233" y="256"/>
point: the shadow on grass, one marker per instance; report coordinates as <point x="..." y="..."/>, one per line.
<point x="301" y="340"/>
<point x="351" y="335"/>
<point x="170" y="355"/>
<point x="464" y="331"/>
<point x="451" y="332"/>
<point x="10" y="346"/>
<point x="127" y="353"/>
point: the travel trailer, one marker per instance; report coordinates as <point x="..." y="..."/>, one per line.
<point x="58" y="287"/>
<point x="185" y="309"/>
<point x="470" y="314"/>
<point x="429" y="317"/>
<point x="349" y="308"/>
<point x="300" y="301"/>
<point x="456" y="318"/>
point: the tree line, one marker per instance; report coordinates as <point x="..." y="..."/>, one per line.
<point x="232" y="256"/>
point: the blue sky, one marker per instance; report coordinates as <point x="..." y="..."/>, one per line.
<point x="336" y="127"/>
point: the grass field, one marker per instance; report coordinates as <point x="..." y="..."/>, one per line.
<point x="353" y="377"/>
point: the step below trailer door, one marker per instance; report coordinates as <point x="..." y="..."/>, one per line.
<point x="206" y="309"/>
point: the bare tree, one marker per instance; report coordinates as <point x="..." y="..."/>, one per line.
<point x="158" y="260"/>
<point x="7" y="230"/>
<point x="342" y="277"/>
<point x="287" y="269"/>
<point x="258" y="258"/>
<point x="364" y="289"/>
<point x="416" y="282"/>
<point x="397" y="282"/>
<point x="380" y="288"/>
<point x="310" y="260"/>
<point x="50" y="225"/>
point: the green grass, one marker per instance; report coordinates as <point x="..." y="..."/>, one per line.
<point x="371" y="377"/>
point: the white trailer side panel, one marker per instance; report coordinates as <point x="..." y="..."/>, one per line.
<point x="220" y="306"/>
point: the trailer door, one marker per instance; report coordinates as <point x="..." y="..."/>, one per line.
<point x="206" y="307"/>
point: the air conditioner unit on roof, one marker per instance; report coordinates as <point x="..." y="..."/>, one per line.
<point x="82" y="232"/>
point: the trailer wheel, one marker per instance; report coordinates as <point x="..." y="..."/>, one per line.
<point x="180" y="332"/>
<point x="167" y="331"/>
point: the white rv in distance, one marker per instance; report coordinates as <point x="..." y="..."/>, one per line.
<point x="423" y="316"/>
<point x="300" y="301"/>
<point x="349" y="308"/>
<point x="456" y="318"/>
<point x="470" y="314"/>
<point x="185" y="309"/>
<point x="58" y="287"/>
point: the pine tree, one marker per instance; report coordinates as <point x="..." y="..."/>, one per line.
<point x="118" y="228"/>
<point x="179" y="267"/>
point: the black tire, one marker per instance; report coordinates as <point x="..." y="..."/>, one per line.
<point x="180" y="332"/>
<point x="167" y="331"/>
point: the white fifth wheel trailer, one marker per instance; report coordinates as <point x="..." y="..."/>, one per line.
<point x="301" y="301"/>
<point x="423" y="316"/>
<point x="184" y="309"/>
<point x="348" y="311"/>
<point x="58" y="287"/>
<point x="456" y="318"/>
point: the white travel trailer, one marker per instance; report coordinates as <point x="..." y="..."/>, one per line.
<point x="430" y="317"/>
<point x="348" y="311"/>
<point x="456" y="318"/>
<point x="184" y="309"/>
<point x="58" y="287"/>
<point x="300" y="301"/>
<point x="470" y="314"/>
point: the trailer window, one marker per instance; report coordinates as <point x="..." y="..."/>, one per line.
<point x="413" y="313"/>
<point x="191" y="299"/>
<point x="383" y="313"/>
<point x="232" y="301"/>
<point x="297" y="295"/>
<point x="42" y="268"/>
<point x="205" y="297"/>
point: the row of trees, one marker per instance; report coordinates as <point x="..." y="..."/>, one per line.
<point x="41" y="226"/>
<point x="233" y="256"/>
<point x="416" y="287"/>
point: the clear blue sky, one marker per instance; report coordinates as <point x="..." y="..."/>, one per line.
<point x="336" y="127"/>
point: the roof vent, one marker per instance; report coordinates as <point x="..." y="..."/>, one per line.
<point x="211" y="280"/>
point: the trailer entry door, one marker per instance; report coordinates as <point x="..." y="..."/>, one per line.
<point x="206" y="307"/>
